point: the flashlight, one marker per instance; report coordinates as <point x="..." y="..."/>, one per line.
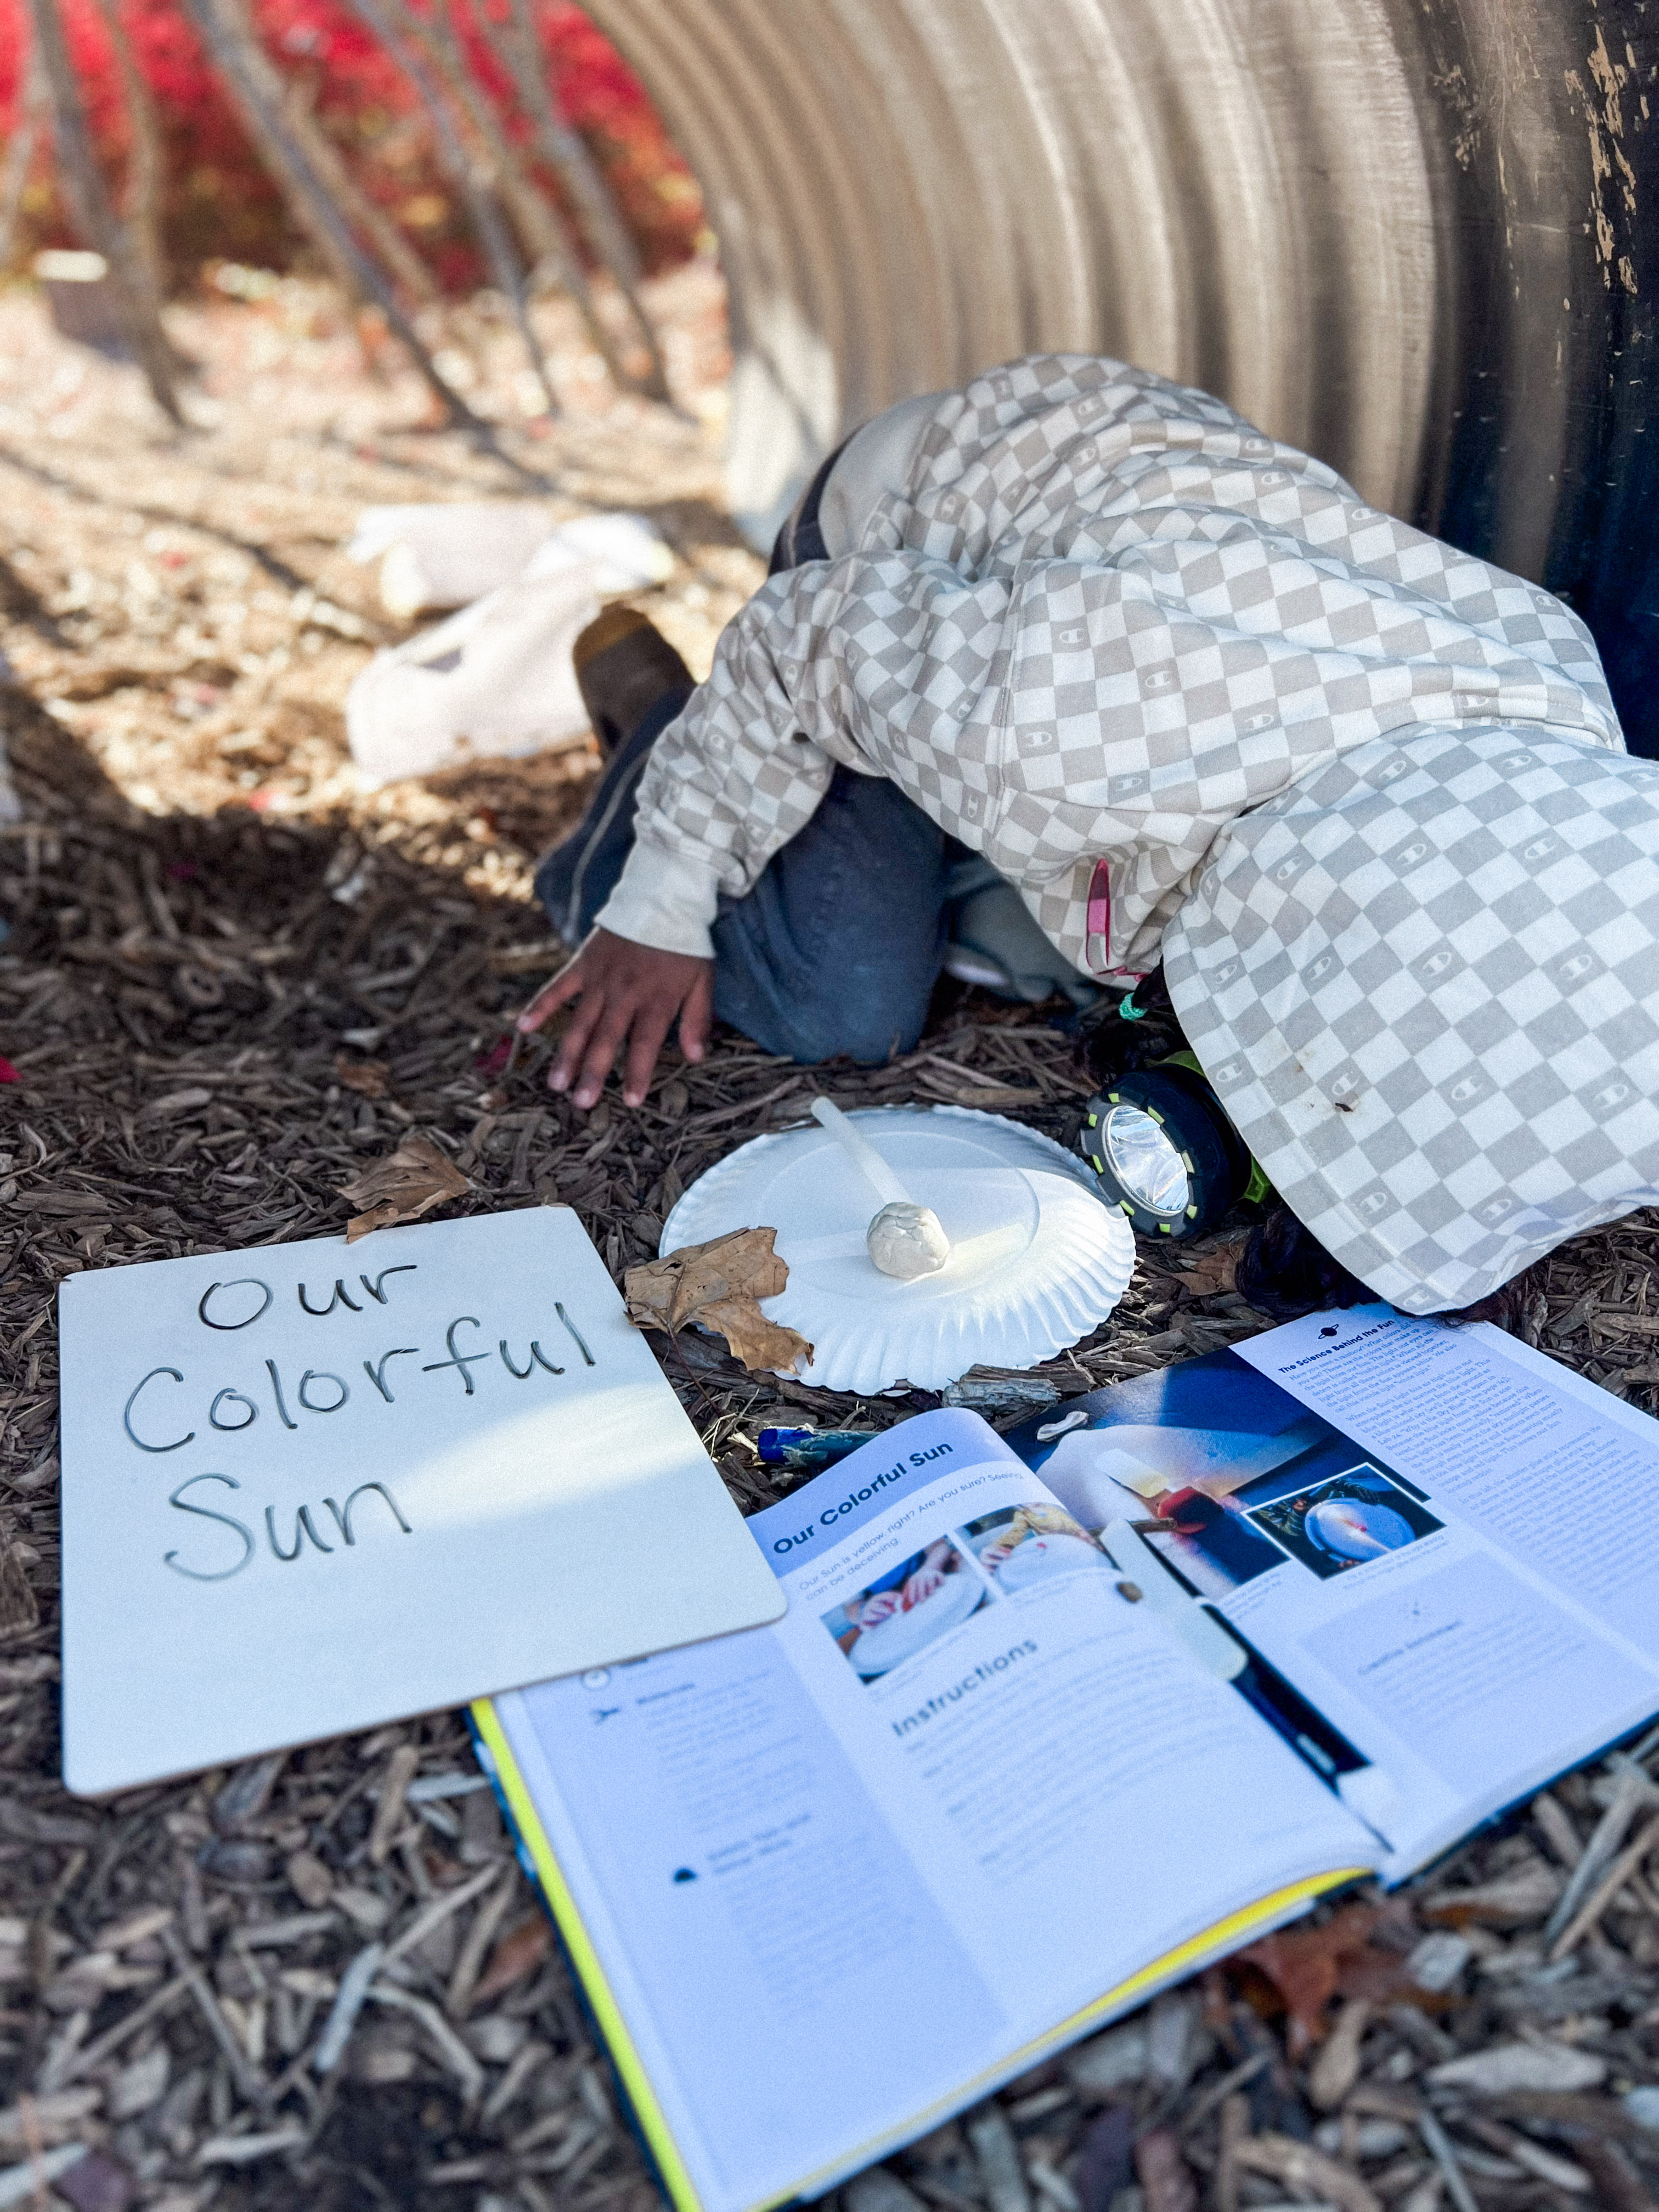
<point x="1165" y="1152"/>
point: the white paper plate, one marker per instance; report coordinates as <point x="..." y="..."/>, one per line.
<point x="1038" y="1559"/>
<point x="902" y="1635"/>
<point x="1037" y="1260"/>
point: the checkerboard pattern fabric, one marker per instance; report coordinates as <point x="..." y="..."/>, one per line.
<point x="1104" y="619"/>
<point x="1368" y="798"/>
<point x="1426" y="984"/>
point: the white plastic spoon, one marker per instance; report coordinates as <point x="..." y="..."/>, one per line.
<point x="904" y="1240"/>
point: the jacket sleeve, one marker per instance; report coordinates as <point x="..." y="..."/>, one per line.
<point x="729" y="781"/>
<point x="869" y="662"/>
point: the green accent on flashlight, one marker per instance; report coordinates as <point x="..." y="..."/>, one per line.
<point x="1258" y="1186"/>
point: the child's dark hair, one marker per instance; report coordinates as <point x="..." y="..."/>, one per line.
<point x="1286" y="1271"/>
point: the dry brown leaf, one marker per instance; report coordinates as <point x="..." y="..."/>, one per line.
<point x="370" y="1078"/>
<point x="1308" y="1966"/>
<point x="520" y="1952"/>
<point x="404" y="1185"/>
<point x="765" y="1347"/>
<point x="718" y="1284"/>
<point x="378" y="1217"/>
<point x="670" y="1291"/>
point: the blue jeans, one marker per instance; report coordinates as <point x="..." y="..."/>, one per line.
<point x="837" y="947"/>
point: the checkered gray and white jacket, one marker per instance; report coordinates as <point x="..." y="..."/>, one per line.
<point x="1104" y="619"/>
<point x="1159" y="669"/>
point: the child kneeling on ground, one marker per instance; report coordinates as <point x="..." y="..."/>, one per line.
<point x="1074" y="674"/>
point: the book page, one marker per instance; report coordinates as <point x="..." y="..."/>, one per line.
<point x="1471" y="1587"/>
<point x="844" y="1871"/>
<point x="1400" y="1519"/>
<point x="1569" y="1486"/>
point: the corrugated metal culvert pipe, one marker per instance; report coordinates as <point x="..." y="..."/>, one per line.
<point x="1418" y="237"/>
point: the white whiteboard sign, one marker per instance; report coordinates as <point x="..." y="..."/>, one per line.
<point x="311" y="1488"/>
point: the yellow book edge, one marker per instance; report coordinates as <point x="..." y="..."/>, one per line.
<point x="1226" y="1935"/>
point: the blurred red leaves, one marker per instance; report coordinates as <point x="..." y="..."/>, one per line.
<point x="219" y="202"/>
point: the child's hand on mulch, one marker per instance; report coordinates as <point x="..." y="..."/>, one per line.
<point x="628" y="993"/>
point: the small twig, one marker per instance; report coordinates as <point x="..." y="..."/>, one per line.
<point x="1439" y="2145"/>
<point x="400" y="1772"/>
<point x="1555" y="1824"/>
<point x="248" y="2078"/>
<point x="1509" y="2142"/>
<point x="530" y="2058"/>
<point x="694" y="1380"/>
<point x="454" y="2053"/>
<point x="433" y="1915"/>
<point x="1235" y="2127"/>
<point x="1594" y="1906"/>
<point x="1219" y="2092"/>
<point x="469" y="1959"/>
<point x="1630" y="1791"/>
<point x="348" y="2004"/>
<point x="92" y="2055"/>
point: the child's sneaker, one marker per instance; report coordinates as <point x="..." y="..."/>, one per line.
<point x="623" y="666"/>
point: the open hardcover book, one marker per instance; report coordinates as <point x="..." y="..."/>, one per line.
<point x="1052" y="1719"/>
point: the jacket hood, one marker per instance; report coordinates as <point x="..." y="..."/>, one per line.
<point x="1424" y="983"/>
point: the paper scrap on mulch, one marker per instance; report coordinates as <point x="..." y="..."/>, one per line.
<point x="719" y="1284"/>
<point x="403" y="1187"/>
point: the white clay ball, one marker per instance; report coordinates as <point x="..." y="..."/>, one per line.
<point x="908" y="1241"/>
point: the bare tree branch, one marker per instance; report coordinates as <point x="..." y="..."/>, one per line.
<point x="95" y="218"/>
<point x="394" y="249"/>
<point x="257" y="89"/>
<point x="142" y="211"/>
<point x="469" y="176"/>
<point x="515" y="44"/>
<point x="537" y="220"/>
<point x="34" y="109"/>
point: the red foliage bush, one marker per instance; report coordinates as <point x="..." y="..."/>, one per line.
<point x="221" y="204"/>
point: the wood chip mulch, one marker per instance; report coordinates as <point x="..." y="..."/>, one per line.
<point x="321" y="1978"/>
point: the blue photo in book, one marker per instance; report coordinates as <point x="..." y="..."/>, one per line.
<point x="1336" y="1522"/>
<point x="1200" y="1450"/>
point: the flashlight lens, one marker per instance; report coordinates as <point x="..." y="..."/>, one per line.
<point x="1145" y="1162"/>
